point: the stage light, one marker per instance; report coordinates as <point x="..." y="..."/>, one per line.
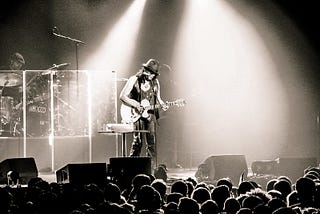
<point x="234" y="89"/>
<point x="118" y="46"/>
<point x="112" y="56"/>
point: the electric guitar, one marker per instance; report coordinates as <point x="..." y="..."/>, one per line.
<point x="131" y="115"/>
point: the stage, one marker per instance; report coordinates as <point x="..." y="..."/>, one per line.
<point x="172" y="173"/>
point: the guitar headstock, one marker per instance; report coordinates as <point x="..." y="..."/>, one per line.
<point x="180" y="102"/>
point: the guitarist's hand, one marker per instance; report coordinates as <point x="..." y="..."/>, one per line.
<point x="165" y="106"/>
<point x="140" y="109"/>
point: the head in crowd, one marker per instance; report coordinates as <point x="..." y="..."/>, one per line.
<point x="180" y="186"/>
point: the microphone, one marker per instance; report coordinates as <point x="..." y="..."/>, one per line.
<point x="61" y="65"/>
<point x="55" y="67"/>
<point x="55" y="30"/>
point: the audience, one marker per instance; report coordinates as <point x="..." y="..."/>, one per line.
<point x="283" y="186"/>
<point x="148" y="199"/>
<point x="180" y="186"/>
<point x="188" y="205"/>
<point x="209" y="207"/>
<point x="201" y="195"/>
<point x="306" y="190"/>
<point x="151" y="195"/>
<point x="270" y="184"/>
<point x="231" y="205"/>
<point x="170" y="208"/>
<point x="276" y="203"/>
<point x="160" y="186"/>
<point x="220" y="195"/>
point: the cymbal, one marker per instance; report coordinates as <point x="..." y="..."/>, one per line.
<point x="10" y="79"/>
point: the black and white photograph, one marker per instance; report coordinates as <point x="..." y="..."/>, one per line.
<point x="159" y="106"/>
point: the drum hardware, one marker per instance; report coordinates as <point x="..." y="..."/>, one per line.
<point x="7" y="79"/>
<point x="5" y="110"/>
<point x="6" y="105"/>
<point x="38" y="121"/>
<point x="65" y="103"/>
<point x="37" y="106"/>
<point x="11" y="111"/>
<point x="32" y="79"/>
<point x="55" y="67"/>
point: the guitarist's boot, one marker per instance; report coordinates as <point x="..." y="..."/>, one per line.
<point x="136" y="147"/>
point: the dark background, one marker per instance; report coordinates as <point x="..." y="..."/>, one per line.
<point x="26" y="26"/>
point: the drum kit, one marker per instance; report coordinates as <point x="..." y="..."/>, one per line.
<point x="8" y="81"/>
<point x="37" y="105"/>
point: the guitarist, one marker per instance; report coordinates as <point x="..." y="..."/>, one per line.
<point x="144" y="86"/>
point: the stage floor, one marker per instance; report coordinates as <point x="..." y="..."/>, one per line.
<point x="172" y="173"/>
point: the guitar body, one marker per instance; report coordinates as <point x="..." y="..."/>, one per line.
<point x="128" y="114"/>
<point x="131" y="115"/>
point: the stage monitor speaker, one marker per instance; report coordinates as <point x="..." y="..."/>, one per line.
<point x="25" y="167"/>
<point x="294" y="167"/>
<point x="222" y="166"/>
<point x="83" y="173"/>
<point x="123" y="169"/>
<point x="264" y="167"/>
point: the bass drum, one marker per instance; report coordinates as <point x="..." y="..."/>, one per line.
<point x="37" y="119"/>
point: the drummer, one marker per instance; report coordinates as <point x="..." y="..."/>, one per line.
<point x="16" y="62"/>
<point x="12" y="80"/>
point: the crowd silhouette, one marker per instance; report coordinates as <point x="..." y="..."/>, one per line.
<point x="149" y="194"/>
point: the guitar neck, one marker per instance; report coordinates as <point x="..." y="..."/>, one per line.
<point x="156" y="106"/>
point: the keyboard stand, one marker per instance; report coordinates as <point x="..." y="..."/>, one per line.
<point x="123" y="137"/>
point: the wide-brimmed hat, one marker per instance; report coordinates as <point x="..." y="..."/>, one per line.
<point x="152" y="65"/>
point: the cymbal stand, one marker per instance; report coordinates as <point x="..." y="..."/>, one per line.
<point x="55" y="106"/>
<point x="57" y="109"/>
<point x="1" y="109"/>
<point x="51" y="138"/>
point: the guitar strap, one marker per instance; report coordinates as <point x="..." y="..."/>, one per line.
<point x="155" y="100"/>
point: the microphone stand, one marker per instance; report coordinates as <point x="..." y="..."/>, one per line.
<point x="155" y="123"/>
<point x="2" y="116"/>
<point x="77" y="43"/>
<point x="68" y="38"/>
